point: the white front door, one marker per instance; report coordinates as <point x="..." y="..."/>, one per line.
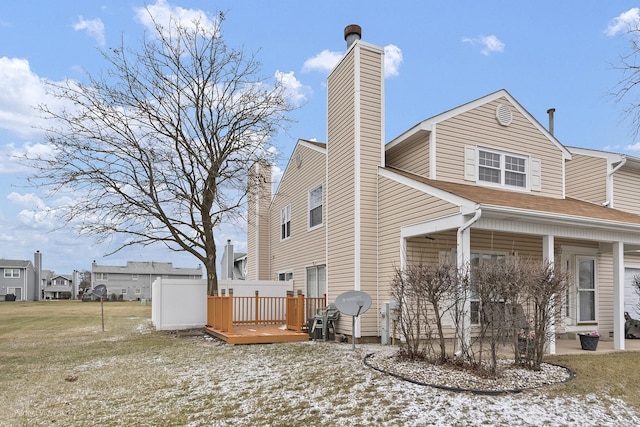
<point x="631" y="296"/>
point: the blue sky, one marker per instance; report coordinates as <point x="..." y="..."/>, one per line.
<point x="439" y="55"/>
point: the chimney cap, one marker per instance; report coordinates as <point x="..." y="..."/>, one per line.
<point x="352" y="33"/>
<point x="352" y="29"/>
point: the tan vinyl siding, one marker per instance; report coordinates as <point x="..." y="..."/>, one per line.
<point x="412" y="156"/>
<point x="303" y="248"/>
<point x="626" y="183"/>
<point x="399" y="206"/>
<point x="258" y="227"/>
<point x="340" y="176"/>
<point x="479" y="127"/>
<point x="604" y="294"/>
<point x="371" y="150"/>
<point x="586" y="178"/>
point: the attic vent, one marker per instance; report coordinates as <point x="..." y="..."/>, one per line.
<point x="504" y="115"/>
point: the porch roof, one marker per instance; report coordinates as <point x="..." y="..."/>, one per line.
<point x="526" y="201"/>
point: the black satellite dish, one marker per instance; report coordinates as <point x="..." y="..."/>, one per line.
<point x="353" y="303"/>
<point x="100" y="291"/>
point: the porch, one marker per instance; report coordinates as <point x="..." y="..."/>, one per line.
<point x="260" y="320"/>
<point x="567" y="346"/>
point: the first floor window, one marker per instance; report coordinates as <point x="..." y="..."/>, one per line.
<point x="477" y="261"/>
<point x="315" y="207"/>
<point x="586" y="289"/>
<point x="285" y="222"/>
<point x="286" y="276"/>
<point x="316" y="281"/>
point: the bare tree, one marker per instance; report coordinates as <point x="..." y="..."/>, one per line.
<point x="626" y="88"/>
<point x="158" y="148"/>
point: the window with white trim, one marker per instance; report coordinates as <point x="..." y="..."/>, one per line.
<point x="478" y="259"/>
<point x="315" y="207"/>
<point x="285" y="276"/>
<point x="13" y="273"/>
<point x="285" y="222"/>
<point x="102" y="276"/>
<point x="586" y="281"/>
<point x="503" y="169"/>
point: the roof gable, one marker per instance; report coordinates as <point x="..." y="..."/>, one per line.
<point x="428" y="124"/>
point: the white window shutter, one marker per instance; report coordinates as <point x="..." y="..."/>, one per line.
<point x="536" y="175"/>
<point x="470" y="163"/>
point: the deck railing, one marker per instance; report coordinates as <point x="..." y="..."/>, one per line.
<point x="225" y="311"/>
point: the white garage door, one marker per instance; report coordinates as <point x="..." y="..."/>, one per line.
<point x="631" y="298"/>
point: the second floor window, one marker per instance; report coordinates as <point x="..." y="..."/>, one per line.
<point x="315" y="207"/>
<point x="102" y="276"/>
<point x="12" y="272"/>
<point x="285" y="222"/>
<point x="502" y="169"/>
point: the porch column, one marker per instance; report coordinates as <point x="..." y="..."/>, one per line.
<point x="548" y="256"/>
<point x="618" y="296"/>
<point x="463" y="251"/>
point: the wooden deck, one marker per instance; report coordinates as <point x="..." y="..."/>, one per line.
<point x="260" y="320"/>
<point x="258" y="334"/>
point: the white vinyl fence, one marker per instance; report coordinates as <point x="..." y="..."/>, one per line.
<point x="182" y="304"/>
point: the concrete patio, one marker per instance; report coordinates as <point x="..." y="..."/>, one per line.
<point x="605" y="345"/>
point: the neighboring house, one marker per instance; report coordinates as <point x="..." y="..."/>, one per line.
<point x="133" y="281"/>
<point x="18" y="277"/>
<point x="482" y="180"/>
<point x="59" y="287"/>
<point x="233" y="264"/>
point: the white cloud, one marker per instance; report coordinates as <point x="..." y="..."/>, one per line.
<point x="28" y="200"/>
<point x="624" y="22"/>
<point x="20" y="91"/>
<point x="392" y="60"/>
<point x="633" y="147"/>
<point x="489" y="44"/>
<point x="295" y="91"/>
<point x="326" y="60"/>
<point x="93" y="27"/>
<point x="167" y="15"/>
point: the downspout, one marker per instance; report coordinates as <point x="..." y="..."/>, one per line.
<point x="464" y="340"/>
<point x="609" y="202"/>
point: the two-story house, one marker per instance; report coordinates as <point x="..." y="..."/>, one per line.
<point x="484" y="179"/>
<point x="59" y="286"/>
<point x="133" y="281"/>
<point x="18" y="277"/>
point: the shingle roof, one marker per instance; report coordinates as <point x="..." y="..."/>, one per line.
<point x="526" y="201"/>
<point x="14" y="263"/>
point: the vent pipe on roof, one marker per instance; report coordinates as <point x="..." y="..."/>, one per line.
<point x="550" y="112"/>
<point x="352" y="33"/>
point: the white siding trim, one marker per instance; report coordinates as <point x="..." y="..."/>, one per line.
<point x="434" y="226"/>
<point x="432" y="153"/>
<point x="357" y="171"/>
